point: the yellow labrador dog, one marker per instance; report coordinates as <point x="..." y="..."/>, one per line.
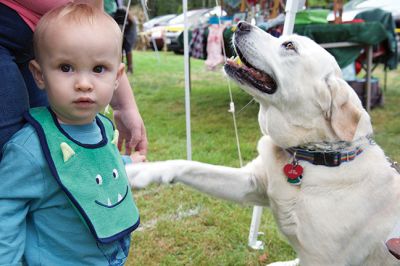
<point x="332" y="191"/>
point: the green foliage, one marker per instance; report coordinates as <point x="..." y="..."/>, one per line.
<point x="181" y="226"/>
<point x="320" y="3"/>
<point x="160" y="7"/>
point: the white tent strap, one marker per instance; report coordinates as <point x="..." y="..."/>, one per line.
<point x="126" y="17"/>
<point x="231" y="104"/>
<point x="144" y="6"/>
<point x="146" y="16"/>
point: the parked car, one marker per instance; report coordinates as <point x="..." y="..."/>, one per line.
<point x="195" y="17"/>
<point x="154" y="30"/>
<point x="157" y="21"/>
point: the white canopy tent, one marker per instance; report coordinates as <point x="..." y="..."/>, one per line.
<point x="187" y="81"/>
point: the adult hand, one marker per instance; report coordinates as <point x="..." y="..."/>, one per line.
<point x="127" y="119"/>
<point x="131" y="129"/>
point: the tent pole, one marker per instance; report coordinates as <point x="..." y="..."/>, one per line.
<point x="187" y="81"/>
<point x="290" y="15"/>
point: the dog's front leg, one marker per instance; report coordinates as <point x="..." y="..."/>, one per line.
<point x="234" y="184"/>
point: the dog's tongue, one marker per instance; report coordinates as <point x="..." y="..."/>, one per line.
<point x="258" y="75"/>
<point x="254" y="72"/>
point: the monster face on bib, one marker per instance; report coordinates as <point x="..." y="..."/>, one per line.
<point x="107" y="188"/>
<point x="119" y="198"/>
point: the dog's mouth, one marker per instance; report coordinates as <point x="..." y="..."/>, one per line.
<point x="242" y="71"/>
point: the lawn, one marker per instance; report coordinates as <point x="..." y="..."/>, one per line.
<point x="180" y="226"/>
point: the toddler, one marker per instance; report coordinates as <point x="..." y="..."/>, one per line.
<point x="64" y="197"/>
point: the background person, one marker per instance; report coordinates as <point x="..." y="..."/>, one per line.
<point x="130" y="34"/>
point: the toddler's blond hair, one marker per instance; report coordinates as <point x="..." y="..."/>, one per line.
<point x="75" y="14"/>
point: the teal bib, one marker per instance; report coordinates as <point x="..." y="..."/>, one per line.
<point x="91" y="175"/>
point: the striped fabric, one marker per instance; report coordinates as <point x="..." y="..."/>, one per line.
<point x="328" y="158"/>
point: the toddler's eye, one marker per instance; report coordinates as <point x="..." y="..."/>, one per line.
<point x="65" y="68"/>
<point x="99" y="180"/>
<point x="115" y="173"/>
<point x="98" y="69"/>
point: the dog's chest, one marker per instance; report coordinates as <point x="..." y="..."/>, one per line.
<point x="332" y="204"/>
<point x="331" y="217"/>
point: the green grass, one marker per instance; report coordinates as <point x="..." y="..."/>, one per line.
<point x="181" y="226"/>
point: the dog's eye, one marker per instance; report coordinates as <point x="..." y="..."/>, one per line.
<point x="289" y="46"/>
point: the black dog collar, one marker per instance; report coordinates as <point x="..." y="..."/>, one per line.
<point x="327" y="158"/>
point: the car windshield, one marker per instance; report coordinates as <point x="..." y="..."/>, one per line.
<point x="159" y="19"/>
<point x="191" y="14"/>
<point x="352" y="4"/>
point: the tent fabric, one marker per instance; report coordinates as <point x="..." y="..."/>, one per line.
<point x="368" y="33"/>
<point x="379" y="15"/>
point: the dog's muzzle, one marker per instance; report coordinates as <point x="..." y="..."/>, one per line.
<point x="241" y="70"/>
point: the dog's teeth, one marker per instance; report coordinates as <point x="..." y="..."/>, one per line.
<point x="119" y="197"/>
<point x="109" y="202"/>
<point x="238" y="61"/>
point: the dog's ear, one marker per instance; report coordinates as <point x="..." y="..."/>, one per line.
<point x="345" y="112"/>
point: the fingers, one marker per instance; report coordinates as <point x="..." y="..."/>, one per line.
<point x="137" y="157"/>
<point x="130" y="146"/>
<point x="132" y="135"/>
<point x="141" y="147"/>
<point x="128" y="149"/>
<point x="120" y="142"/>
<point x="138" y="143"/>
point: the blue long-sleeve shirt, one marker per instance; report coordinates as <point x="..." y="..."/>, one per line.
<point x="38" y="225"/>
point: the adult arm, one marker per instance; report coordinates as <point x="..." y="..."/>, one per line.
<point x="127" y="119"/>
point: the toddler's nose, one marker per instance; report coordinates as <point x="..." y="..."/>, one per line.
<point x="83" y="83"/>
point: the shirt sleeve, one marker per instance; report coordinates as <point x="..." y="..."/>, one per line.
<point x="21" y="182"/>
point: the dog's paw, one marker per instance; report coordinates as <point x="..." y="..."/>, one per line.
<point x="140" y="175"/>
<point x="295" y="262"/>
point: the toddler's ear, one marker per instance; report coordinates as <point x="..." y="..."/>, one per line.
<point x="121" y="71"/>
<point x="37" y="73"/>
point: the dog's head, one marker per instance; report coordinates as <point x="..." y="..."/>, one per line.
<point x="298" y="84"/>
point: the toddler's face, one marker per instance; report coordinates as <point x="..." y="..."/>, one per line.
<point x="81" y="66"/>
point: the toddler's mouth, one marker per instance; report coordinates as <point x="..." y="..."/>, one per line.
<point x="83" y="100"/>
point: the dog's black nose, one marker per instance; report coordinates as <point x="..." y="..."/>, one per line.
<point x="244" y="26"/>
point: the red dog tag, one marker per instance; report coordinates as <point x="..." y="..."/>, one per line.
<point x="293" y="171"/>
